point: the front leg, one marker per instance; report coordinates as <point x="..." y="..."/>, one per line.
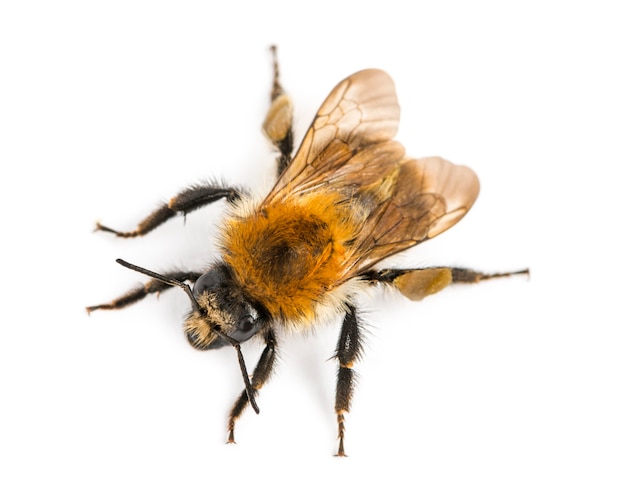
<point x="261" y="374"/>
<point x="152" y="286"/>
<point x="349" y="349"/>
<point x="188" y="200"/>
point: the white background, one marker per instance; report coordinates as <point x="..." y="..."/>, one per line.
<point x="512" y="390"/>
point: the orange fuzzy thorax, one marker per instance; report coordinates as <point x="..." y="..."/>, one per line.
<point x="289" y="254"/>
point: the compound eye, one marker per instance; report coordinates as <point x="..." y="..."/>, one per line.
<point x="209" y="281"/>
<point x="246" y="324"/>
<point x="246" y="328"/>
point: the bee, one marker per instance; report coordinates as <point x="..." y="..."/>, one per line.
<point x="349" y="198"/>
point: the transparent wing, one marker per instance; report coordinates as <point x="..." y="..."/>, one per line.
<point x="349" y="148"/>
<point x="361" y="110"/>
<point x="430" y="195"/>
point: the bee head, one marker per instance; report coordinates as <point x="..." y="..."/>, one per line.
<point x="221" y="312"/>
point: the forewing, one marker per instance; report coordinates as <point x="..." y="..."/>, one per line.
<point x="349" y="147"/>
<point x="430" y="196"/>
<point x="361" y="110"/>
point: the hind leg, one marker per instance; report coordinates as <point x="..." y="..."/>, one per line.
<point x="278" y="124"/>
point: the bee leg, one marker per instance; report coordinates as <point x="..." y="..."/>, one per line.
<point x="278" y="124"/>
<point x="260" y="375"/>
<point x="188" y="200"/>
<point x="348" y="351"/>
<point x="152" y="286"/>
<point x="415" y="284"/>
<point x="461" y="275"/>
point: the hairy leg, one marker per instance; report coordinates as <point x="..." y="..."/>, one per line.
<point x="419" y="283"/>
<point x="139" y="293"/>
<point x="278" y="124"/>
<point x="261" y="374"/>
<point x="188" y="200"/>
<point x="348" y="351"/>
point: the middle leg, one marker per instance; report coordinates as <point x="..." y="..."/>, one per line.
<point x="349" y="350"/>
<point x="188" y="200"/>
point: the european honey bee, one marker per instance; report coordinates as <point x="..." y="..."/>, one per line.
<point x="349" y="198"/>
